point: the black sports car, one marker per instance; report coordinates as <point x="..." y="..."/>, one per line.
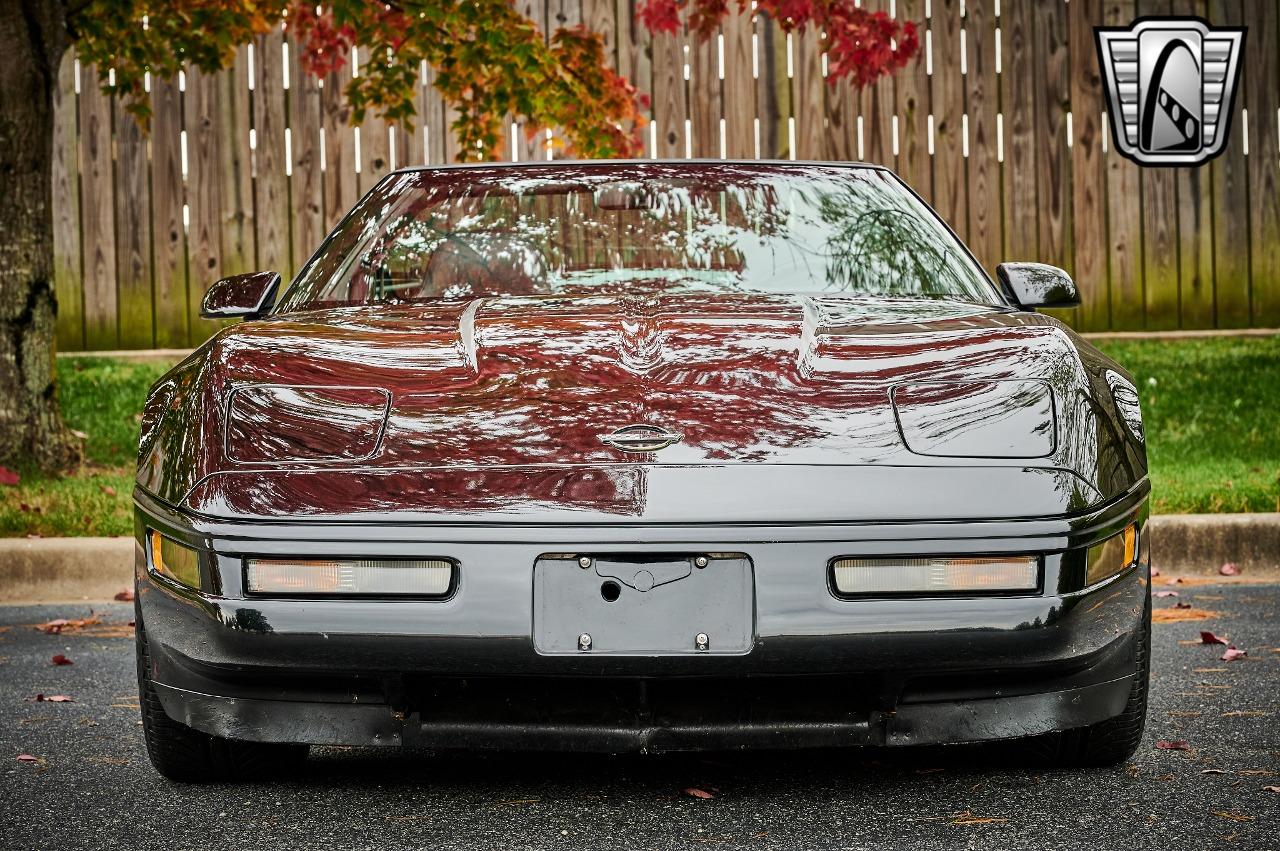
<point x="641" y="456"/>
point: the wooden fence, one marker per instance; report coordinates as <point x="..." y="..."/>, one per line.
<point x="1000" y="125"/>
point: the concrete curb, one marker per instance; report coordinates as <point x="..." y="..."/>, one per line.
<point x="1199" y="544"/>
<point x="48" y="569"/>
<point x="52" y="569"/>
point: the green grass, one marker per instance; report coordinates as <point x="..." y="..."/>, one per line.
<point x="1212" y="413"/>
<point x="1212" y="409"/>
<point x="101" y="398"/>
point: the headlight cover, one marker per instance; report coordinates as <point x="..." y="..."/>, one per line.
<point x="272" y="423"/>
<point x="1127" y="404"/>
<point x="936" y="575"/>
<point x="174" y="561"/>
<point x="977" y="419"/>
<point x="432" y="577"/>
<point x="1112" y="556"/>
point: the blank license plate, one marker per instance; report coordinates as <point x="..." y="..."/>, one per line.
<point x="643" y="607"/>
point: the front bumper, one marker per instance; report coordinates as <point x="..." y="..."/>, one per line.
<point x="463" y="672"/>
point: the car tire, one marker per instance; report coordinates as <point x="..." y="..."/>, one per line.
<point x="186" y="755"/>
<point x="1108" y="742"/>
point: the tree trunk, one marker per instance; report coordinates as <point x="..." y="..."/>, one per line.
<point x="32" y="40"/>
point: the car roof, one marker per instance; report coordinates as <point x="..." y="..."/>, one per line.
<point x="666" y="161"/>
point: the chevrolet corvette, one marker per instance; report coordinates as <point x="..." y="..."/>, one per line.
<point x="641" y="457"/>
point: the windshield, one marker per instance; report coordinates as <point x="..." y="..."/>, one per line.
<point x="620" y="228"/>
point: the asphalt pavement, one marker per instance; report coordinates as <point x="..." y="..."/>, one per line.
<point x="90" y="785"/>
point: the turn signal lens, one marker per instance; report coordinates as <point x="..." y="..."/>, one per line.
<point x="935" y="575"/>
<point x="1112" y="555"/>
<point x="174" y="561"/>
<point x="377" y="577"/>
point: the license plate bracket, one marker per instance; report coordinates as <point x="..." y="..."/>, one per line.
<point x="643" y="606"/>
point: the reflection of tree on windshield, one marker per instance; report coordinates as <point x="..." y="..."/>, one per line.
<point x="652" y="228"/>
<point x="875" y="246"/>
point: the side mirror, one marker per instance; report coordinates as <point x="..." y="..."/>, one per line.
<point x="245" y="296"/>
<point x="1033" y="285"/>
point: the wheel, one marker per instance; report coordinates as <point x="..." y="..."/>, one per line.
<point x="189" y="756"/>
<point x="1108" y="742"/>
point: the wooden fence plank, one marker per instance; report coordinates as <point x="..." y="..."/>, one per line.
<point x="341" y="183"/>
<point x="1124" y="214"/>
<point x="705" y="97"/>
<point x="97" y="177"/>
<point x="1231" y="196"/>
<point x="739" y="86"/>
<point x="1262" y="91"/>
<point x="913" y="110"/>
<point x="1053" y="158"/>
<point x="986" y="236"/>
<point x="169" y="242"/>
<point x="68" y="282"/>
<point x="1017" y="79"/>
<point x="1195" y="226"/>
<point x="375" y="143"/>
<point x="635" y="59"/>
<point x="239" y="249"/>
<point x="1160" y="229"/>
<point x="1088" y="173"/>
<point x="133" y="233"/>
<point x="808" y="100"/>
<point x="306" y="184"/>
<point x="205" y="161"/>
<point x="875" y="113"/>
<point x="948" y="98"/>
<point x="773" y="90"/>
<point x="270" y="183"/>
<point x="669" y="108"/>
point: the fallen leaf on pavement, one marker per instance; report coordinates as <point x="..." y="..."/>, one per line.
<point x="26" y="757"/>
<point x="1165" y="594"/>
<point x="57" y="626"/>
<point x="61" y="660"/>
<point x="1275" y="789"/>
<point x="125" y="596"/>
<point x="8" y="477"/>
<point x="1233" y="816"/>
<point x="53" y="698"/>
<point x="1233" y="654"/>
<point x="1174" y="745"/>
<point x="1229" y="569"/>
<point x="1179" y="613"/>
<point x="1246" y="713"/>
<point x="1209" y="638"/>
<point x="694" y="792"/>
<point x="1213" y="771"/>
<point x="1181" y="605"/>
<point x="1208" y="670"/>
<point x="1155" y="571"/>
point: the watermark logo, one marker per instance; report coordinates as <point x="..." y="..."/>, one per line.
<point x="1170" y="84"/>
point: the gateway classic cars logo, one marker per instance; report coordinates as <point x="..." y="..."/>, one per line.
<point x="1170" y="87"/>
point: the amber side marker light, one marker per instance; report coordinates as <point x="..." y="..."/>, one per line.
<point x="375" y="577"/>
<point x="935" y="575"/>
<point x="174" y="561"/>
<point x="1112" y="555"/>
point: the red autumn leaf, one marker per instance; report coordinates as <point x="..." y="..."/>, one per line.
<point x="108" y="490"/>
<point x="58" y="625"/>
<point x="26" y="757"/>
<point x="1175" y="745"/>
<point x="1155" y="571"/>
<point x="1165" y="594"/>
<point x="8" y="477"/>
<point x="1233" y="654"/>
<point x="53" y="698"/>
<point x="1229" y="569"/>
<point x="1209" y="638"/>
<point x="1182" y="605"/>
<point x="54" y="626"/>
<point x="125" y="596"/>
<point x="694" y="792"/>
<point x="61" y="660"/>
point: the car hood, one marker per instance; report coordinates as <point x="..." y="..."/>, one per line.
<point x="521" y="390"/>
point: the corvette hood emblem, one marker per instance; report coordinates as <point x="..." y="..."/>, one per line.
<point x="640" y="438"/>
